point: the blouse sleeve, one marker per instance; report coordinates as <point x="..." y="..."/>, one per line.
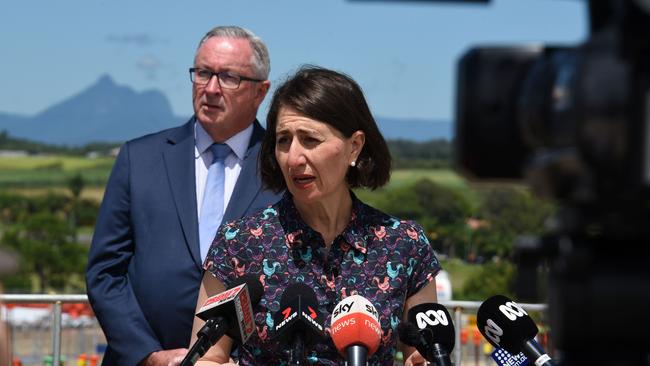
<point x="423" y="263"/>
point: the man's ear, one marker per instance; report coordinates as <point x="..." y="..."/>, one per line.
<point x="261" y="90"/>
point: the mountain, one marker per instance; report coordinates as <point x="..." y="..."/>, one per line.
<point x="104" y="111"/>
<point x="108" y="112"/>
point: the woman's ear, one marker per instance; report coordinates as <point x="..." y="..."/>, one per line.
<point x="358" y="139"/>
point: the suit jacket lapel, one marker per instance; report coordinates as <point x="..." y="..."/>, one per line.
<point x="249" y="183"/>
<point x="179" y="161"/>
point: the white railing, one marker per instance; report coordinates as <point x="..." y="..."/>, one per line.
<point x="457" y="307"/>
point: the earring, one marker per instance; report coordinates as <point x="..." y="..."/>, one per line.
<point x="353" y="164"/>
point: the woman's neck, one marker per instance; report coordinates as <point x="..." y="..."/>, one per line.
<point x="329" y="216"/>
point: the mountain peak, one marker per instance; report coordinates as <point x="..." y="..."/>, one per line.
<point x="105" y="81"/>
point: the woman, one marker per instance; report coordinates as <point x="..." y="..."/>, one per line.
<point x="322" y="141"/>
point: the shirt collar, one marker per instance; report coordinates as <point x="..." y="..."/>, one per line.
<point x="299" y="234"/>
<point x="238" y="143"/>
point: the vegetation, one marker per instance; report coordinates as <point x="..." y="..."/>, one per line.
<point x="31" y="147"/>
<point x="46" y="216"/>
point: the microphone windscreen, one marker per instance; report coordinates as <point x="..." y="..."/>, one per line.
<point x="355" y="321"/>
<point x="436" y="320"/>
<point x="505" y="323"/>
<point x="409" y="334"/>
<point x="306" y="293"/>
<point x="255" y="288"/>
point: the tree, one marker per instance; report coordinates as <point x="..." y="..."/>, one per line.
<point x="43" y="242"/>
<point x="494" y="277"/>
<point x="441" y="211"/>
<point x="76" y="184"/>
<point x="509" y="212"/>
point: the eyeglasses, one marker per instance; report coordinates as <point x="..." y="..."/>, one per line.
<point x="225" y="79"/>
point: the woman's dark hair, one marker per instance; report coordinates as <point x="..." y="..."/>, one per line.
<point x="333" y="98"/>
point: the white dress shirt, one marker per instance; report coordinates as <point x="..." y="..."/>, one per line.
<point x="233" y="164"/>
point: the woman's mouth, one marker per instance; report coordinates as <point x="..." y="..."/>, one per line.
<point x="303" y="180"/>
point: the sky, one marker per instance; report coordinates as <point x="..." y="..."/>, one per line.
<point x="402" y="53"/>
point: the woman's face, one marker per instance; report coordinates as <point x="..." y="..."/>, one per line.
<point x="314" y="156"/>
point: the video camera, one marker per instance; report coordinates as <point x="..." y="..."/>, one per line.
<point x="574" y="122"/>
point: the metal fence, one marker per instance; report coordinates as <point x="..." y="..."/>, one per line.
<point x="458" y="308"/>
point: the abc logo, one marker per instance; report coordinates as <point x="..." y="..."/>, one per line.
<point x="431" y="318"/>
<point x="512" y="310"/>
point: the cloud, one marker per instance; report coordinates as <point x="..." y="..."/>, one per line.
<point x="137" y="39"/>
<point x="149" y="64"/>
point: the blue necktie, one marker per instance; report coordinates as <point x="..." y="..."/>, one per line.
<point x="212" y="206"/>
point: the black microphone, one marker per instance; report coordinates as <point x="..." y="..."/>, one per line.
<point x="298" y="321"/>
<point x="430" y="330"/>
<point x="229" y="312"/>
<point x="505" y="324"/>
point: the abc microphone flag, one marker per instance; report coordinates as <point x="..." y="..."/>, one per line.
<point x="430" y="330"/>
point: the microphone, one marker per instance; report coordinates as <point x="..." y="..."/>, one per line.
<point x="298" y="321"/>
<point x="505" y="324"/>
<point x="355" y="329"/>
<point x="229" y="312"/>
<point x="429" y="329"/>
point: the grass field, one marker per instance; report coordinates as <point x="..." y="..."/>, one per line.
<point x="40" y="174"/>
<point x="51" y="171"/>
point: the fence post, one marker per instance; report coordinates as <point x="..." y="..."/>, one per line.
<point x="56" y="334"/>
<point x="458" y="312"/>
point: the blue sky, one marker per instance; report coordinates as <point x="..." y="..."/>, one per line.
<point x="403" y="54"/>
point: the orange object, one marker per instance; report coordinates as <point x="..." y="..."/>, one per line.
<point x="82" y="360"/>
<point x="463" y="336"/>
<point x="93" y="360"/>
<point x="16" y="362"/>
<point x="476" y="337"/>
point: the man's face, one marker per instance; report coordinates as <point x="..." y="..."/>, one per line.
<point x="224" y="112"/>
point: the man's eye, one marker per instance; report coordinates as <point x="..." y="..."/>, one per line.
<point x="204" y="74"/>
<point x="229" y="77"/>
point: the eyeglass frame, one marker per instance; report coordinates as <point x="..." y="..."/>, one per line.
<point x="193" y="70"/>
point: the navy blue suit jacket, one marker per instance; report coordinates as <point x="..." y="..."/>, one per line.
<point x="144" y="268"/>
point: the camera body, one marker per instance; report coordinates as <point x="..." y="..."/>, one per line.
<point x="574" y="122"/>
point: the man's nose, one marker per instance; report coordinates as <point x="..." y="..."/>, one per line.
<point x="213" y="85"/>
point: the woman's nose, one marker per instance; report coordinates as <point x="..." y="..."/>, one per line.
<point x="296" y="154"/>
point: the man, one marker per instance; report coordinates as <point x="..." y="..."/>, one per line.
<point x="145" y="263"/>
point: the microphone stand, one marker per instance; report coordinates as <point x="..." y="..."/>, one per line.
<point x="297" y="352"/>
<point x="357" y="355"/>
<point x="212" y="330"/>
<point x="440" y="356"/>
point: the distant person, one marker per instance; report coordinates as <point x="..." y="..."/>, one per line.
<point x="322" y="141"/>
<point x="165" y="198"/>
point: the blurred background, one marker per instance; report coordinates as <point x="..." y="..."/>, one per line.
<point x="81" y="77"/>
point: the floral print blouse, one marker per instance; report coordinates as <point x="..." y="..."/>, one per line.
<point x="377" y="256"/>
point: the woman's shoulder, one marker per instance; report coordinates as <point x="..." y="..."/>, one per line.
<point x="374" y="217"/>
<point x="266" y="217"/>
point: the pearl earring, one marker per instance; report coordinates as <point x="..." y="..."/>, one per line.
<point x="353" y="164"/>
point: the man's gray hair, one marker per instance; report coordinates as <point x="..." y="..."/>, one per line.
<point x="260" y="60"/>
